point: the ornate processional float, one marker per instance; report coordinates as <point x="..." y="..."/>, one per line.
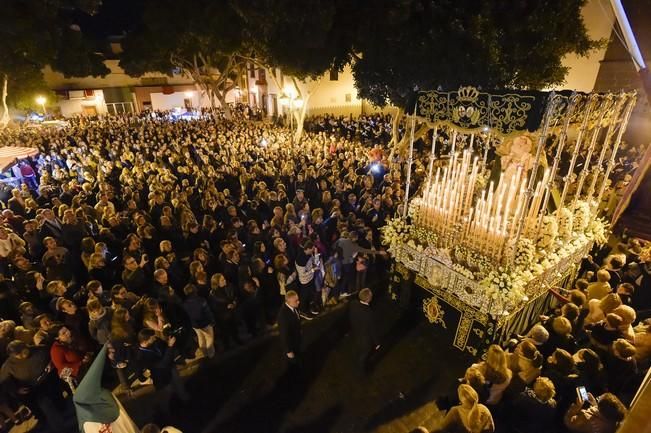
<point x="508" y="204"/>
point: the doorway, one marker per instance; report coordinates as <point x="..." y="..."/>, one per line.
<point x="89" y="110"/>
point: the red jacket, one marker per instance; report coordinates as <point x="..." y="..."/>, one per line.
<point x="63" y="356"/>
<point x="27" y="170"/>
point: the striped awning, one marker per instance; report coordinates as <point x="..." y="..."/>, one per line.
<point x="9" y="155"/>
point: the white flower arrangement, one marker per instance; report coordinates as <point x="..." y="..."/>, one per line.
<point x="554" y="257"/>
<point x="504" y="286"/>
<point x="395" y="233"/>
<point x="463" y="271"/>
<point x="537" y="268"/>
<point x="481" y="181"/>
<point x="565" y="220"/>
<point x="470" y="260"/>
<point x="525" y="253"/>
<point x="423" y="236"/>
<point x="581" y="216"/>
<point x="548" y="232"/>
<point x="598" y="229"/>
<point x="414" y="207"/>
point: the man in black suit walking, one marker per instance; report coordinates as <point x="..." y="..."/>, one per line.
<point x="362" y="323"/>
<point x="289" y="326"/>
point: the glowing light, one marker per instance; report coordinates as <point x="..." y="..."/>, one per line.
<point x="284" y="100"/>
<point x="40" y="100"/>
<point x="290" y="91"/>
<point x="189" y="94"/>
<point x="298" y="103"/>
<point x="254" y="89"/>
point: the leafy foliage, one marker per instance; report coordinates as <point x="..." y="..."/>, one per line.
<point x="304" y="38"/>
<point x="202" y="38"/>
<point x="37" y="33"/>
<point x="413" y="44"/>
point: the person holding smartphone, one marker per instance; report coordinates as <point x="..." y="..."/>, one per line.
<point x="594" y="415"/>
<point x="157" y="357"/>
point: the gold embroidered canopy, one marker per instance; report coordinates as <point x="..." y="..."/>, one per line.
<point x="506" y="112"/>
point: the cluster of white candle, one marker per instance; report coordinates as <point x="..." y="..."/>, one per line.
<point x="484" y="224"/>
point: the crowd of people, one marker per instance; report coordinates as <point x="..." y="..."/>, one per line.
<point x="576" y="370"/>
<point x="171" y="240"/>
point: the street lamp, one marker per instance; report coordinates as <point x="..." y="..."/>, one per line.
<point x="40" y="100"/>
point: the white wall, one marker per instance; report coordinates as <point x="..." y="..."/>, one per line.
<point x="332" y="94"/>
<point x="326" y="96"/>
<point x="160" y="101"/>
<point x="116" y="78"/>
<point x="75" y="107"/>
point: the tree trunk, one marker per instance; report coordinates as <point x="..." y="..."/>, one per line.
<point x="4" y="120"/>
<point x="395" y="140"/>
<point x="211" y="99"/>
<point x="221" y="96"/>
<point x="395" y="126"/>
<point x="300" y="119"/>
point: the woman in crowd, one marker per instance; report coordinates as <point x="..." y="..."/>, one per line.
<point x="469" y="416"/>
<point x="602" y="414"/>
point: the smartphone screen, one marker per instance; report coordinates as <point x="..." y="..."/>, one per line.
<point x="582" y="393"/>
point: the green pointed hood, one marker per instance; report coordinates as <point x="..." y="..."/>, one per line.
<point x="92" y="402"/>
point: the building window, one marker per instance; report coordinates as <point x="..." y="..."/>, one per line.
<point x="262" y="75"/>
<point x="252" y="71"/>
<point x="334" y="75"/>
<point x="349" y="97"/>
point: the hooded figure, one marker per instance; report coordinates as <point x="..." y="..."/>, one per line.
<point x="96" y="406"/>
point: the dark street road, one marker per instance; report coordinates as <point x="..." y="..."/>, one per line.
<point x="248" y="390"/>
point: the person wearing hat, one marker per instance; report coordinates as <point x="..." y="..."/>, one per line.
<point x="97" y="408"/>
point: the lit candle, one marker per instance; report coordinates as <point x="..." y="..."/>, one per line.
<point x="519" y="207"/>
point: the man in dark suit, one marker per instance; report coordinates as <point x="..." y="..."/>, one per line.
<point x="289" y="326"/>
<point x="362" y="324"/>
<point x="51" y="226"/>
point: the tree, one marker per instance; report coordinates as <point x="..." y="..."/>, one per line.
<point x="415" y="44"/>
<point x="37" y="33"/>
<point x="303" y="38"/>
<point x="449" y="43"/>
<point x="201" y="38"/>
